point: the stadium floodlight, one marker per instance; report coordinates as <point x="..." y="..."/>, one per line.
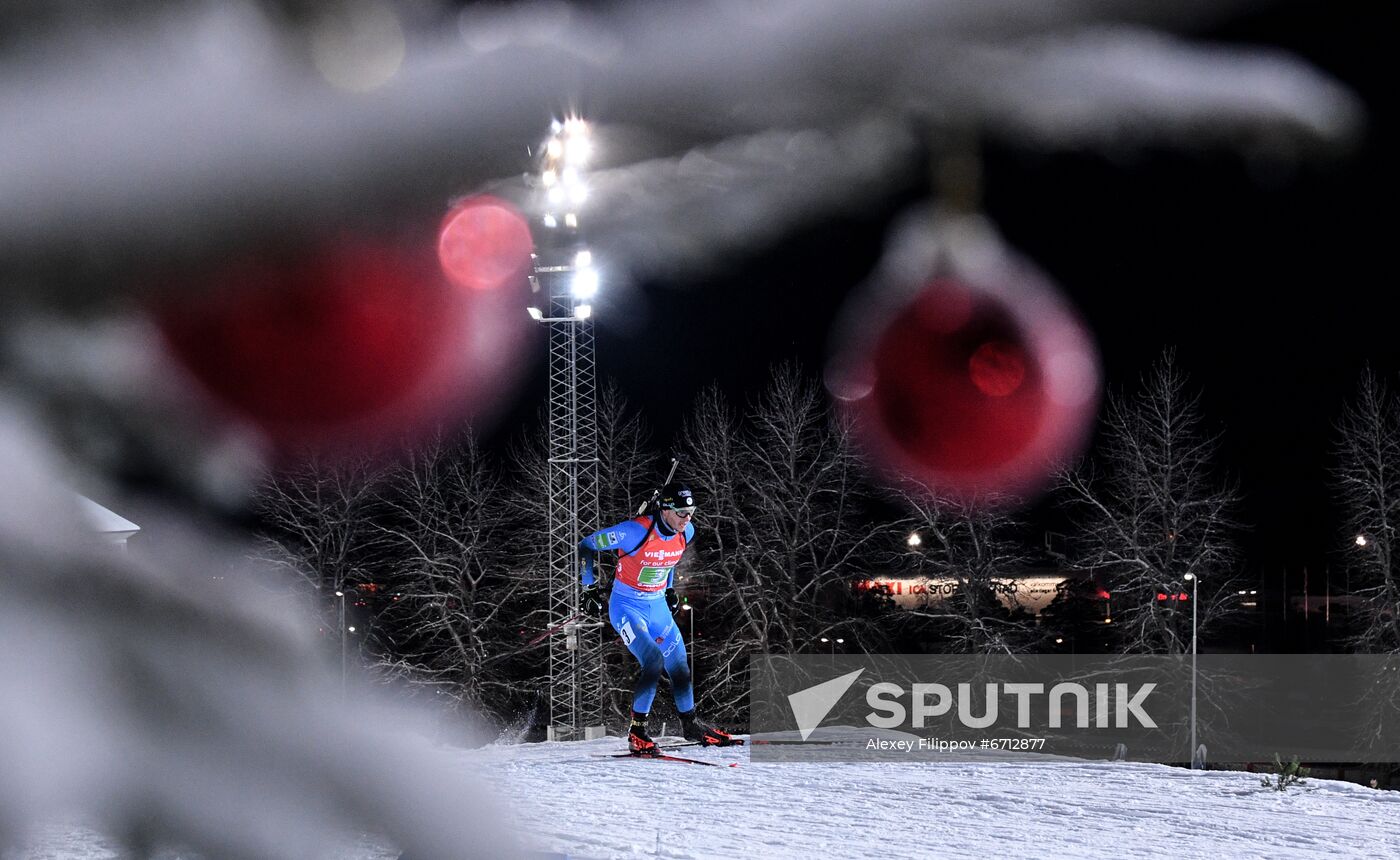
<point x="583" y="259"/>
<point x="550" y="221"/>
<point x="578" y="149"/>
<point x="583" y="312"/>
<point x="535" y="313"/>
<point x="570" y="220"/>
<point x="585" y="284"/>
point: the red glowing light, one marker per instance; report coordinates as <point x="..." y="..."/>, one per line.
<point x="484" y="244"/>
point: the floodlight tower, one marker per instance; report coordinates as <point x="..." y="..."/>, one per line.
<point x="564" y="282"/>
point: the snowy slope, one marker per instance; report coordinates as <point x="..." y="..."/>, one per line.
<point x="568" y="799"/>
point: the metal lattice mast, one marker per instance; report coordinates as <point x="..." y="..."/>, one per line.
<point x="565" y="281"/>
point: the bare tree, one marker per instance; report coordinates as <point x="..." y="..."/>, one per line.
<point x="967" y="551"/>
<point x="1149" y="510"/>
<point x="1368" y="480"/>
<point x="780" y="539"/>
<point x="449" y="614"/>
<point x="1367" y="475"/>
<point x="316" y="522"/>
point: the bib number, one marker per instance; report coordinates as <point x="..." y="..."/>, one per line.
<point x="653" y="575"/>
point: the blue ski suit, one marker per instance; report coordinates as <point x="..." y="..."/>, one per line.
<point x="647" y="556"/>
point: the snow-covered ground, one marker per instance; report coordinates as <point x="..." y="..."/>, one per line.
<point x="571" y="800"/>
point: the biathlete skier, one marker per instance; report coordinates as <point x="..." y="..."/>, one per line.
<point x="641" y="604"/>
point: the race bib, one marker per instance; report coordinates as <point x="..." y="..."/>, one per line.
<point x="626" y="633"/>
<point x="653" y="575"/>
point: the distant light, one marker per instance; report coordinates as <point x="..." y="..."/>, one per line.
<point x="340" y="594"/>
<point x="550" y="221"/>
<point x="840" y="641"/>
<point x="556" y="195"/>
<point x="549" y="177"/>
<point x="1108" y="621"/>
<point x="1059" y="641"/>
<point x="583" y="259"/>
<point x="555" y="149"/>
<point x="685" y="607"/>
<point x="824" y="639"/>
<point x="575" y="126"/>
<point x="1252" y="591"/>
<point x="571" y="220"/>
<point x="535" y="313"/>
<point x="1188" y="577"/>
<point x="351" y="628"/>
<point x="914" y="539"/>
<point x="585" y="285"/>
<point x="1360" y="540"/>
<point x="583" y="312"/>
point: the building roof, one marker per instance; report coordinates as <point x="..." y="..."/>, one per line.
<point x="105" y="521"/>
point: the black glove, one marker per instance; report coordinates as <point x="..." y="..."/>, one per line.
<point x="673" y="600"/>
<point x="592" y="603"/>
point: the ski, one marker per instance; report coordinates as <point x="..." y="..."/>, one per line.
<point x="760" y="742"/>
<point x="734" y="742"/>
<point x="664" y="757"/>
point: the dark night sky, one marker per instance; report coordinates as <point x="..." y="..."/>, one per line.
<point x="1270" y="281"/>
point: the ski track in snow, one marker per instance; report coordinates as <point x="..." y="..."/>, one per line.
<point x="568" y="799"/>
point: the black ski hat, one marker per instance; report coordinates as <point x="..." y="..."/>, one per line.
<point x="676" y="496"/>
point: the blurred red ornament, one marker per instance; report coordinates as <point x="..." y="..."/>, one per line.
<point x="966" y="371"/>
<point x="355" y="341"/>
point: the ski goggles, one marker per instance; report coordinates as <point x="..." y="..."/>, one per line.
<point x="685" y="512"/>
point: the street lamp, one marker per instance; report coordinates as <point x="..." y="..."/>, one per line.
<point x="344" y="657"/>
<point x="833" y="643"/>
<point x="686" y="607"/>
<point x="1191" y="578"/>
